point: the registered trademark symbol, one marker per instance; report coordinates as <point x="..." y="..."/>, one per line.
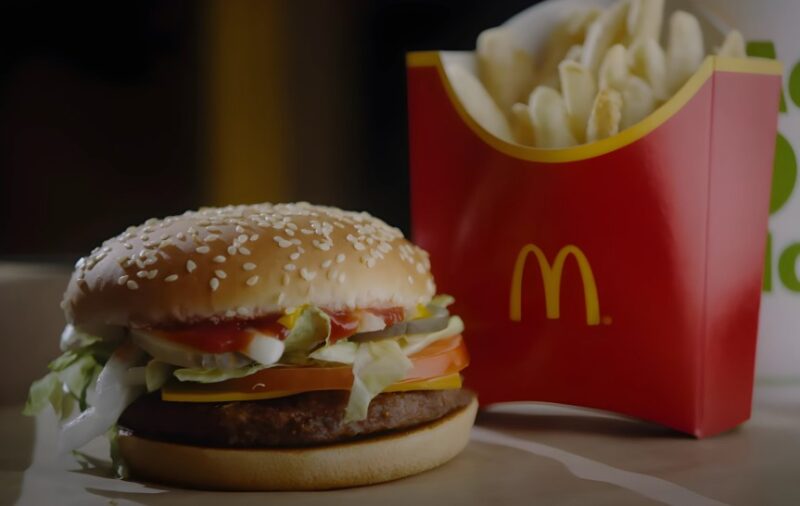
<point x="607" y="320"/>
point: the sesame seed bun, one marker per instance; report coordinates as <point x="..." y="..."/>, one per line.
<point x="246" y="261"/>
<point x="364" y="462"/>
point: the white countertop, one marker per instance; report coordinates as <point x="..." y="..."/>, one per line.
<point x="519" y="454"/>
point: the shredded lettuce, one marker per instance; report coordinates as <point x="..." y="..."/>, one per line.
<point x="70" y="377"/>
<point x="414" y="343"/>
<point x="343" y="352"/>
<point x="156" y="373"/>
<point x="118" y="466"/>
<point x="216" y="375"/>
<point x="41" y="394"/>
<point x="72" y="339"/>
<point x="442" y="300"/>
<point x="311" y="328"/>
<point x="377" y="365"/>
<point x="79" y="375"/>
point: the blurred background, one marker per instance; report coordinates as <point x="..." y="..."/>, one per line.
<point x="114" y="112"/>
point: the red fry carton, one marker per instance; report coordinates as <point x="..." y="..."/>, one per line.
<point x="623" y="275"/>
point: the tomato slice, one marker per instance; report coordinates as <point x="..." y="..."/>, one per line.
<point x="441" y="358"/>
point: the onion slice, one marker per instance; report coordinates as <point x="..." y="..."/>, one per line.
<point x="113" y="395"/>
<point x="420" y="326"/>
<point x="186" y="356"/>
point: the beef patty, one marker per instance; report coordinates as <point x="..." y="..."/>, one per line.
<point x="308" y="419"/>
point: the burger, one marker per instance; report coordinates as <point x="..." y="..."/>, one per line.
<point x="261" y="347"/>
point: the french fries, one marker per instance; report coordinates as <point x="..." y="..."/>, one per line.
<point x="505" y="69"/>
<point x="574" y="53"/>
<point x="521" y="125"/>
<point x="606" y="30"/>
<point x="647" y="60"/>
<point x="638" y="101"/>
<point x="564" y="38"/>
<point x="578" y="87"/>
<point x="644" y="19"/>
<point x="478" y="102"/>
<point x="733" y="46"/>
<point x="614" y="69"/>
<point x="606" y="115"/>
<point x="684" y="50"/>
<point x="603" y="70"/>
<point x="549" y="119"/>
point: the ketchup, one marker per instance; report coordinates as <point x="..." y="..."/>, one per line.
<point x="232" y="335"/>
<point x="225" y="336"/>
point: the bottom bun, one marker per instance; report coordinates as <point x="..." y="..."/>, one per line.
<point x="363" y="462"/>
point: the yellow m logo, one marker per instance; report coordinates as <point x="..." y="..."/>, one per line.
<point x="551" y="278"/>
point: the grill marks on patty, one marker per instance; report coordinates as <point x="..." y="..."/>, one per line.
<point x="308" y="419"/>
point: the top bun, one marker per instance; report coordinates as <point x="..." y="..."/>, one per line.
<point x="245" y="262"/>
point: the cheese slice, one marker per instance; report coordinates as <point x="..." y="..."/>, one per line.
<point x="194" y="392"/>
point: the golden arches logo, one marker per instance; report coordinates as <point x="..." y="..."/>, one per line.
<point x="551" y="279"/>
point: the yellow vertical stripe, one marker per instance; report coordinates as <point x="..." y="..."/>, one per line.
<point x="247" y="125"/>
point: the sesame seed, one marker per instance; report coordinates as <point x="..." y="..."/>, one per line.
<point x="231" y="250"/>
<point x="219" y="259"/>
<point x="410" y="279"/>
<point x="122" y="279"/>
<point x="249" y="266"/>
<point x="244" y="251"/>
<point x="254" y="237"/>
<point x="420" y="268"/>
<point x="171" y="278"/>
<point x="214" y="284"/>
<point x="283" y="243"/>
<point x="306" y="231"/>
<point x="141" y="274"/>
<point x="370" y="262"/>
<point x="131" y="284"/>
<point x="307" y="274"/>
<point x="281" y="297"/>
<point x="289" y="267"/>
<point x="242" y="238"/>
<point x="181" y="236"/>
<point x="341" y="277"/>
<point x="340" y="258"/>
<point x="202" y="249"/>
<point x="359" y="246"/>
<point x="295" y="255"/>
<point x="252" y="281"/>
<point x="230" y="313"/>
<point x="152" y="274"/>
<point x="327" y="263"/>
<point x="127" y="245"/>
<point x="239" y="229"/>
<point x="220" y="274"/>
<point x="190" y="265"/>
